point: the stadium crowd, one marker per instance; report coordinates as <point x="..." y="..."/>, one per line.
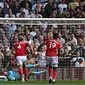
<point x="71" y="37"/>
<point x="42" y="8"/>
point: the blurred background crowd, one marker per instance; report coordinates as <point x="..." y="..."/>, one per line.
<point x="72" y="38"/>
<point x="42" y="8"/>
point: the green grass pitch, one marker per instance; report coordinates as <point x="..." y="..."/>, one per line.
<point x="42" y="83"/>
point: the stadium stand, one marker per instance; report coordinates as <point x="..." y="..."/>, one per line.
<point x="72" y="37"/>
<point x="42" y="8"/>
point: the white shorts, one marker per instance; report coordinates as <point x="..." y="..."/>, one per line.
<point x="21" y="60"/>
<point x="52" y="61"/>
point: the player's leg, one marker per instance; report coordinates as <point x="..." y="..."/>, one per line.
<point x="48" y="64"/>
<point x="20" y="66"/>
<point x="54" y="65"/>
<point x="26" y="72"/>
<point x="54" y="74"/>
<point x="37" y="72"/>
<point x="21" y="72"/>
<point x="50" y="73"/>
<point x="31" y="65"/>
<point x="25" y="69"/>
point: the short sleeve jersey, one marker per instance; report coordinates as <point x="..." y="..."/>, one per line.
<point x="20" y="48"/>
<point x="52" y="47"/>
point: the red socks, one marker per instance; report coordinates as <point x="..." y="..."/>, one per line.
<point x="25" y="70"/>
<point x="21" y="71"/>
<point x="50" y="71"/>
<point x="54" y="74"/>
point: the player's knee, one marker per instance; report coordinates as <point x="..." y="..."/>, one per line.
<point x="20" y="66"/>
<point x="55" y="66"/>
<point x="50" y="66"/>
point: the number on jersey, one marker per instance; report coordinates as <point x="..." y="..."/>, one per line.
<point x="52" y="45"/>
<point x="19" y="46"/>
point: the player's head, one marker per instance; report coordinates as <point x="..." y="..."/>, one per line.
<point x="80" y="60"/>
<point x="5" y="73"/>
<point x="20" y="37"/>
<point x="55" y="36"/>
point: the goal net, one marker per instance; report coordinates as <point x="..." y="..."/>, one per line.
<point x="71" y="34"/>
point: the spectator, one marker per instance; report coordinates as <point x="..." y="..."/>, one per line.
<point x="39" y="5"/>
<point x="26" y="9"/>
<point x="31" y="14"/>
<point x="22" y="3"/>
<point x="62" y="6"/>
<point x="37" y="15"/>
<point x="55" y="8"/>
<point x="42" y="12"/>
<point x="49" y="8"/>
<point x="73" y="4"/>
<point x="1" y="4"/>
<point x="16" y="8"/>
<point x="5" y="9"/>
<point x="75" y="59"/>
<point x="21" y="12"/>
<point x="74" y="40"/>
<point x="53" y="15"/>
<point x="22" y="15"/>
<point x="83" y="14"/>
<point x="10" y="14"/>
<point x="61" y="40"/>
<point x="11" y="30"/>
<point x="81" y="49"/>
<point x="1" y="13"/>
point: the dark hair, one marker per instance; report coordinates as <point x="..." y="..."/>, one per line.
<point x="80" y="60"/>
<point x="55" y="36"/>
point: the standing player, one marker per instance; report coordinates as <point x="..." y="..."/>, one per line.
<point x="52" y="47"/>
<point x="21" y="56"/>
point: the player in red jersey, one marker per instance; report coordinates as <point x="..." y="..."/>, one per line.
<point x="52" y="47"/>
<point x="21" y="56"/>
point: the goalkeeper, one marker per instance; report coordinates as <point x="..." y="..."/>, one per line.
<point x="13" y="76"/>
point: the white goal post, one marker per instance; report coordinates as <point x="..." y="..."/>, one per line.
<point x="41" y="21"/>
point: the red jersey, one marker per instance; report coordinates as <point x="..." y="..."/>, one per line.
<point x="20" y="48"/>
<point x="52" y="47"/>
